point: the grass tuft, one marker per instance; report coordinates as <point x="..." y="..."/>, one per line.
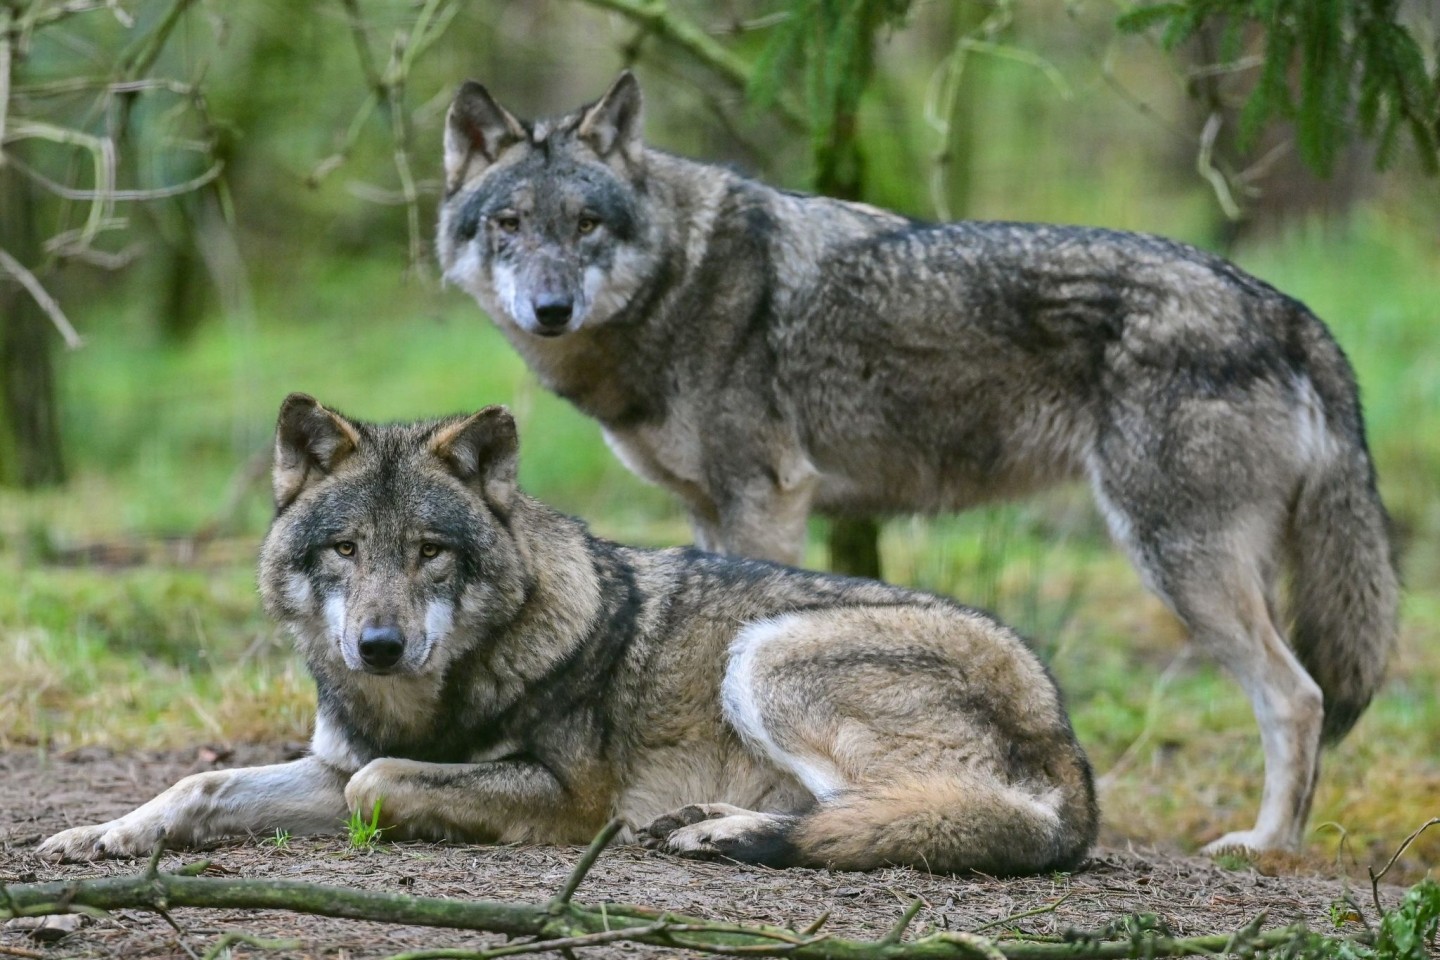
<point x="364" y="833"/>
<point x="280" y="841"/>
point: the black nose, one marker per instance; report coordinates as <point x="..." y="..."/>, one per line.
<point x="381" y="647"/>
<point x="553" y="312"/>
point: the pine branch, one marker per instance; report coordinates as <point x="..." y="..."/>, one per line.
<point x="1343" y="57"/>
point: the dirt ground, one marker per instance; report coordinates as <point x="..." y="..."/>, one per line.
<point x="40" y="796"/>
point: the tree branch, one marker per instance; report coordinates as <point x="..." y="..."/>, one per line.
<point x="657" y="18"/>
<point x="42" y="297"/>
<point x="597" y="846"/>
<point x="561" y="924"/>
<point x="1375" y="878"/>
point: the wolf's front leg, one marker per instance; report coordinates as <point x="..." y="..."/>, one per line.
<point x="304" y="796"/>
<point x="502" y="800"/>
<point x="764" y="517"/>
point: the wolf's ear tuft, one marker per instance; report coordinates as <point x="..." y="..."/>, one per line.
<point x="615" y="122"/>
<point x="483" y="450"/>
<point x="477" y="131"/>
<point x="310" y="442"/>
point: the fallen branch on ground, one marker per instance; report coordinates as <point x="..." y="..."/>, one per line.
<point x="562" y="925"/>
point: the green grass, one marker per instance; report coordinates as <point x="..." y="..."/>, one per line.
<point x="143" y="644"/>
<point x="280" y="841"/>
<point x="364" y="832"/>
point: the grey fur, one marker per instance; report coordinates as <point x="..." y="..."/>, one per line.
<point x="550" y="680"/>
<point x="763" y="354"/>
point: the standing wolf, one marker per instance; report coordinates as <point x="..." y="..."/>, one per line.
<point x="487" y="670"/>
<point x="762" y="354"/>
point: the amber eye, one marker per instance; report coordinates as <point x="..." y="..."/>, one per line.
<point x="345" y="548"/>
<point x="588" y="225"/>
<point x="508" y="224"/>
<point x="429" y="550"/>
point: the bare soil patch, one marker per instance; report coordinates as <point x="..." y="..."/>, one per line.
<point x="43" y="794"/>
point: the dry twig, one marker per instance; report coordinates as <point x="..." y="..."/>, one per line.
<point x="1375" y="878"/>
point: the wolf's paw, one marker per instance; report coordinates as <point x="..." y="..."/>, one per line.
<point x="380" y="782"/>
<point x="408" y="793"/>
<point x="113" y="839"/>
<point x="709" y="831"/>
<point x="659" y="830"/>
<point x="1248" y="840"/>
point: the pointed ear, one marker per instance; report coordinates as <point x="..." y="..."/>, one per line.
<point x="310" y="442"/>
<point x="483" y="450"/>
<point x="477" y="131"/>
<point x="615" y="122"/>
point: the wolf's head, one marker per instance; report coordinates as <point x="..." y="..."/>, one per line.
<point x="391" y="551"/>
<point x="547" y="223"/>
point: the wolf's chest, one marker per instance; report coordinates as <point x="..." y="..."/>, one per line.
<point x="355" y="726"/>
<point x="668" y="454"/>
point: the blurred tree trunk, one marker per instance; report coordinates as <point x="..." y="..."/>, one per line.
<point x="188" y="284"/>
<point x="29" y="419"/>
<point x="186" y="287"/>
<point x="854" y="544"/>
<point x="192" y="284"/>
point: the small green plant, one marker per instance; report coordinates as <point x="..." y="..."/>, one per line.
<point x="363" y="833"/>
<point x="281" y="840"/>
<point x="1410" y="930"/>
<point x="1341" y="913"/>
<point x="1233" y="860"/>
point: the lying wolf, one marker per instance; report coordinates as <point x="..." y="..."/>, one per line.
<point x="488" y="670"/>
<point x="764" y="354"/>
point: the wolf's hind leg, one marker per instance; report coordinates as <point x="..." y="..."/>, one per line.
<point x="1199" y="491"/>
<point x="1217" y="581"/>
<point x="928" y="736"/>
<point x="1230" y="619"/>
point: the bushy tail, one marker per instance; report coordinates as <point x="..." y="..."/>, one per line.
<point x="949" y="824"/>
<point x="1345" y="593"/>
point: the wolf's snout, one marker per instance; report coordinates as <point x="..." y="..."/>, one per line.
<point x="381" y="647"/>
<point x="553" y="312"/>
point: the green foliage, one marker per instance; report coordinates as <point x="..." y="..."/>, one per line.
<point x="167" y="616"/>
<point x="1351" y="54"/>
<point x="363" y="833"/>
<point x="281" y="840"/>
<point x="1406" y="930"/>
<point x="152" y="142"/>
<point x="830" y="45"/>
